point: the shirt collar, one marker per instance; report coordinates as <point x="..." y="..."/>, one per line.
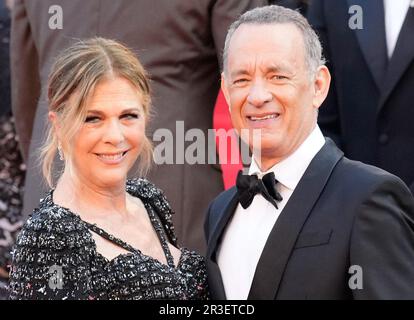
<point x="289" y="171"/>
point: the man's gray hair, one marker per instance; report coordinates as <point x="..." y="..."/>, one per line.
<point x="277" y="15"/>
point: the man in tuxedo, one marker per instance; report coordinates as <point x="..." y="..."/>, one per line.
<point x="306" y="223"/>
<point x="370" y="50"/>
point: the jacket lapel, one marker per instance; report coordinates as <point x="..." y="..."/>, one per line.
<point x="215" y="281"/>
<point x="371" y="37"/>
<point x="282" y="238"/>
<point x="401" y="59"/>
<point x="224" y="216"/>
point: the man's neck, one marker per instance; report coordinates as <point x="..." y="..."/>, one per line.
<point x="267" y="161"/>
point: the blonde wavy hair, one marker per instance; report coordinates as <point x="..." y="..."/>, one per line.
<point x="74" y="75"/>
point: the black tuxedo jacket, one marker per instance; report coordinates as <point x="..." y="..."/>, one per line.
<point x="369" y="110"/>
<point x="342" y="213"/>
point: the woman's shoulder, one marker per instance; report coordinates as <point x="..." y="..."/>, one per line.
<point x="52" y="240"/>
<point x="53" y="227"/>
<point x="143" y="188"/>
<point x="154" y="196"/>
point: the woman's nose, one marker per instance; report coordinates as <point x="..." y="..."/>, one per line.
<point x="114" y="132"/>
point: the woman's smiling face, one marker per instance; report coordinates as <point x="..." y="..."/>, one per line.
<point x="111" y="138"/>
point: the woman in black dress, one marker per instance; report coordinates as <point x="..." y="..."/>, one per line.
<point x="97" y="235"/>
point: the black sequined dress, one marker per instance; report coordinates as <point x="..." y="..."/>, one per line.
<point x="55" y="257"/>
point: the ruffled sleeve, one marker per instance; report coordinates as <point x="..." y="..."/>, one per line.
<point x="148" y="192"/>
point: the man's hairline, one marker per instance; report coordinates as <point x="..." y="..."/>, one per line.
<point x="312" y="73"/>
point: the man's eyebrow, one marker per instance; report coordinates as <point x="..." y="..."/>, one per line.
<point x="239" y="72"/>
<point x="277" y="68"/>
<point x="268" y="69"/>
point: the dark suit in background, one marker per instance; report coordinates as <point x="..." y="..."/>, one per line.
<point x="369" y="111"/>
<point x="301" y="5"/>
<point x="178" y="42"/>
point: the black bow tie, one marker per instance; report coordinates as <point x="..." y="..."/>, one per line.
<point x="249" y="186"/>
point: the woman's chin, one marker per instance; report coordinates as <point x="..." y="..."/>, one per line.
<point x="111" y="180"/>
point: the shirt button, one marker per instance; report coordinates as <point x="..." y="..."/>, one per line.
<point x="383" y="138"/>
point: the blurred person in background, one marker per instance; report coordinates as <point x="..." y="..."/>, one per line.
<point x="11" y="166"/>
<point x="369" y="110"/>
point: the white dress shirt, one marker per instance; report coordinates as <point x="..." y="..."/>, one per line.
<point x="395" y="12"/>
<point x="247" y="232"/>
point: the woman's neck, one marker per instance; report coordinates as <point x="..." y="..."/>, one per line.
<point x="84" y="197"/>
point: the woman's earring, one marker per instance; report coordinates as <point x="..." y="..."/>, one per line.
<point x="60" y="152"/>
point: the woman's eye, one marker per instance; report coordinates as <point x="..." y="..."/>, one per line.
<point x="92" y="119"/>
<point x="130" y="116"/>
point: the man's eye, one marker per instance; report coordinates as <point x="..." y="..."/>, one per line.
<point x="278" y="77"/>
<point x="92" y="119"/>
<point x="240" y="81"/>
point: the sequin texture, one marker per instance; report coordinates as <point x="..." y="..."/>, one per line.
<point x="55" y="257"/>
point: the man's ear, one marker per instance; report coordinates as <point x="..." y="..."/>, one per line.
<point x="225" y="89"/>
<point x="321" y="84"/>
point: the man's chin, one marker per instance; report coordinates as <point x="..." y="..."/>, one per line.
<point x="265" y="143"/>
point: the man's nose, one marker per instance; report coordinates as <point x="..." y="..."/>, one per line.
<point x="259" y="94"/>
<point x="114" y="133"/>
